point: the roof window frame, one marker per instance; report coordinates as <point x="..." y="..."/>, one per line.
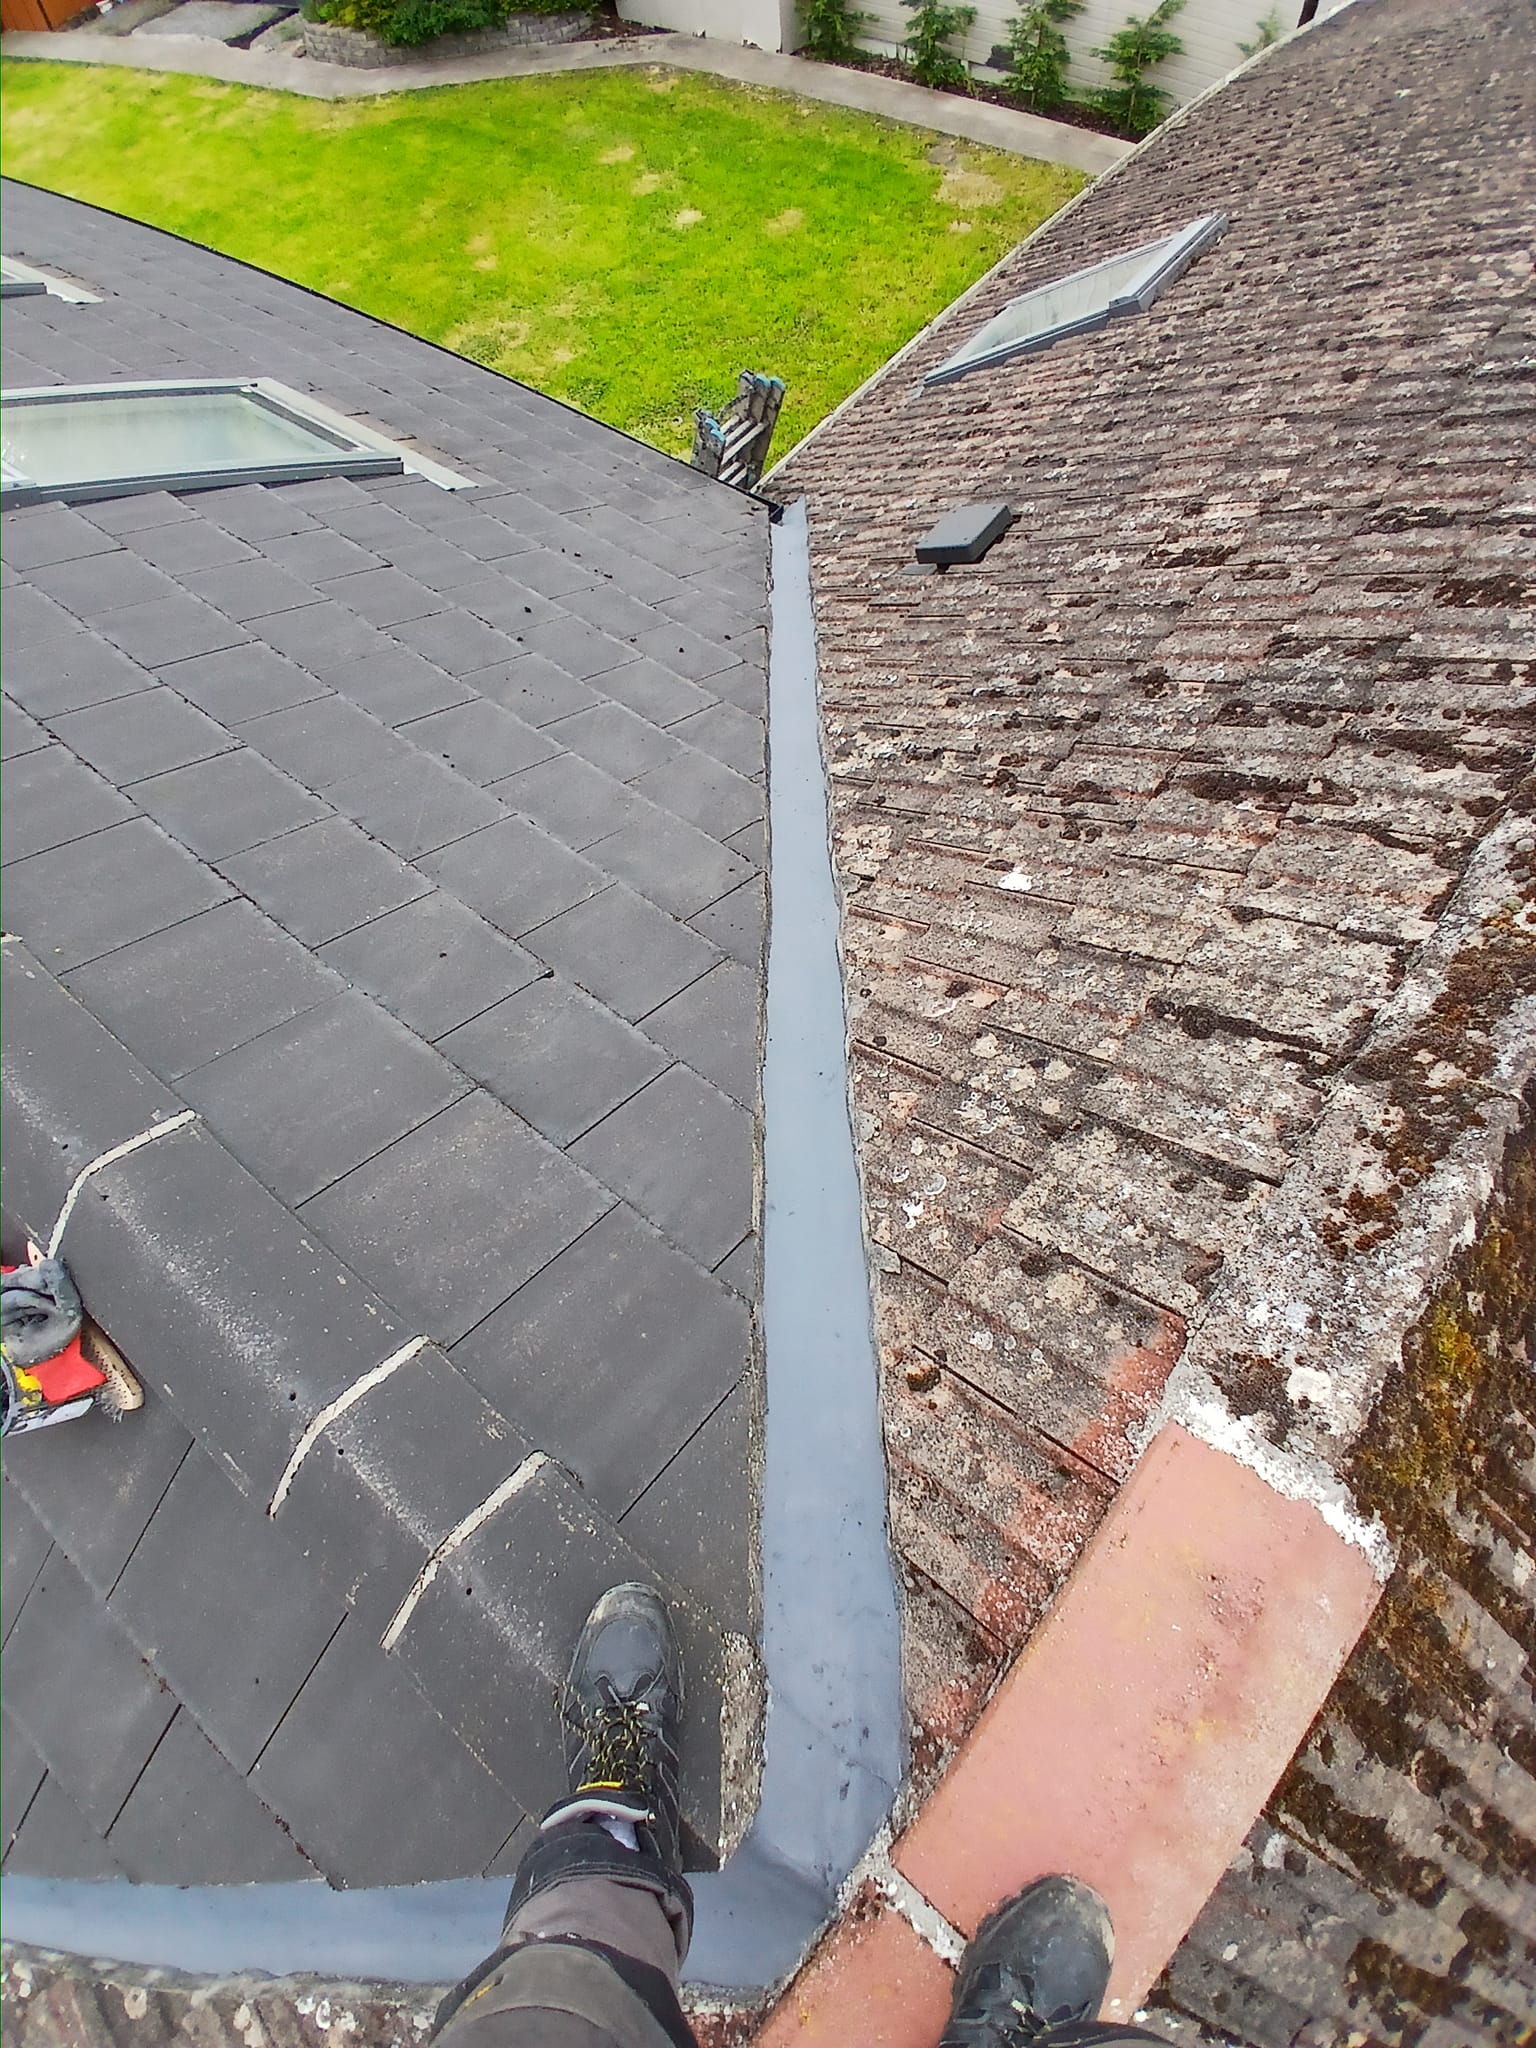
<point x="22" y="280"/>
<point x="1167" y="258"/>
<point x="359" y="450"/>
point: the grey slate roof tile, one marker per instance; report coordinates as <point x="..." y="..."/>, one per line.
<point x="56" y="1840"/>
<point x="247" y="590"/>
<point x="704" y="791"/>
<point x="535" y="689"/>
<point x="712" y="1026"/>
<point x="624" y="950"/>
<point x="58" y="535"/>
<point x="313" y="1097"/>
<point x="211" y="1564"/>
<point x="323" y="740"/>
<point x="123" y="1473"/>
<point x="734" y="737"/>
<point x="97" y="584"/>
<point x="19" y="733"/>
<point x="22" y="1771"/>
<point x="54" y="799"/>
<point x="79" y="1689"/>
<point x="67" y="674"/>
<point x="191" y="1818"/>
<point x="435" y="1188"/>
<point x="240" y="683"/>
<point x="515" y="875"/>
<point x="481" y="740"/>
<point x="30" y="619"/>
<point x="180" y="997"/>
<point x="24" y="1545"/>
<point x="284" y="630"/>
<point x="737" y="924"/>
<point x="615" y="740"/>
<point x="578" y="803"/>
<point x="681" y="1152"/>
<point x="149" y="733"/>
<point x="556" y="1057"/>
<point x="415" y="805"/>
<point x="89" y="898"/>
<point x="384" y="597"/>
<point x="605" y="1351"/>
<point x="323" y="879"/>
<point x="433" y="963"/>
<point x="402" y="1800"/>
<point x="227" y="804"/>
<point x="695" y="1511"/>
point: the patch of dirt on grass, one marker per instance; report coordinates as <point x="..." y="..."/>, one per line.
<point x="621" y="153"/>
<point x="662" y="81"/>
<point x="645" y="184"/>
<point x="687" y="217"/>
<point x="962" y="227"/>
<point x="969" y="188"/>
<point x="492" y="342"/>
<point x="786" y="222"/>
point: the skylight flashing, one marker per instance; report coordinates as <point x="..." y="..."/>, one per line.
<point x="1082" y="301"/>
<point x="20" y="280"/>
<point x="78" y="442"/>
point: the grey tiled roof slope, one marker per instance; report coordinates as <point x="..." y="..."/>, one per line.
<point x="416" y="841"/>
<point x="1141" y="818"/>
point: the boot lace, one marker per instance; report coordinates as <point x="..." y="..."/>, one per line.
<point x="621" y="1739"/>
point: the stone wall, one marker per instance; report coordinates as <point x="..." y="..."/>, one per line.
<point x="1388" y="1892"/>
<point x="332" y="44"/>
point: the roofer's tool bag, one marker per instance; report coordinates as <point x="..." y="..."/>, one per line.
<point x="54" y="1362"/>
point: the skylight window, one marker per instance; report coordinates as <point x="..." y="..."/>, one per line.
<point x="110" y="440"/>
<point x="19" y="280"/>
<point x="1084" y="301"/>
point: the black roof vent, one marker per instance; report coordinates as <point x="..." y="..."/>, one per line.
<point x="964" y="535"/>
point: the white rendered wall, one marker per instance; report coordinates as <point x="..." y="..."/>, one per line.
<point x="1209" y="30"/>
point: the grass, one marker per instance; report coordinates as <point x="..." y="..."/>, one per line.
<point x="625" y="240"/>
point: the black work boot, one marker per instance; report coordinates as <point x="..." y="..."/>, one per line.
<point x="621" y="1710"/>
<point x="1037" y="1972"/>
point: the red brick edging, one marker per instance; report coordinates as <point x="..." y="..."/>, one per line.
<point x="1132" y="1743"/>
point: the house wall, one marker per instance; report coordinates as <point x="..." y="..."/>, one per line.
<point x="1209" y="29"/>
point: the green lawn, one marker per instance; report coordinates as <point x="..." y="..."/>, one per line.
<point x="626" y="240"/>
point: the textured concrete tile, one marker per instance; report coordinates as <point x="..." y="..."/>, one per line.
<point x="492" y="1200"/>
<point x="514" y="874"/>
<point x="19" y="734"/>
<point x="402" y="1800"/>
<point x="226" y="804"/>
<point x="50" y="799"/>
<point x="683" y="1154"/>
<point x="397" y="685"/>
<point x="225" y="1607"/>
<point x="79" y="901"/>
<point x="22" y="1771"/>
<point x="247" y="590"/>
<point x="705" y="792"/>
<point x="655" y="693"/>
<point x="457" y="642"/>
<point x="181" y="997"/>
<point x="189" y="545"/>
<point x="556" y="1057"/>
<point x="623" y="950"/>
<point x="150" y="733"/>
<point x="714" y="1026"/>
<point x="170" y="629"/>
<point x="24" y="1544"/>
<point x="78" y="1688"/>
<point x="191" y="1819"/>
<point x="384" y="597"/>
<point x="733" y="737"/>
<point x="685" y="653"/>
<point x="534" y="688"/>
<point x="578" y="648"/>
<point x="323" y="879"/>
<point x="310" y="1099"/>
<point x="51" y="533"/>
<point x="433" y="963"/>
<point x="103" y="583"/>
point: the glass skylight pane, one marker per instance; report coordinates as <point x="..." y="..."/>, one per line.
<point x="1083" y="301"/>
<point x="153" y="434"/>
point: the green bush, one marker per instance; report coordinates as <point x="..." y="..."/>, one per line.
<point x="409" y="22"/>
<point x="1130" y="53"/>
<point x="1037" y="49"/>
<point x="829" y="29"/>
<point x="934" y="28"/>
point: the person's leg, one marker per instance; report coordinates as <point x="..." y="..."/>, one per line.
<point x="600" y="1915"/>
<point x="1036" y="1972"/>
